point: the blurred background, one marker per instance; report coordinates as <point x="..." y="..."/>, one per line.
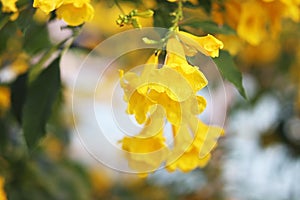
<point x="257" y="159"/>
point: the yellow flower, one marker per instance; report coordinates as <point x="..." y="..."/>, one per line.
<point x="252" y="27"/>
<point x="4" y="98"/>
<point x="2" y="192"/>
<point x="21" y="64"/>
<point x="101" y="181"/>
<point x="147" y="150"/>
<point x="157" y="86"/>
<point x="76" y="12"/>
<point x="47" y="6"/>
<point x="9" y="6"/>
<point x="232" y="12"/>
<point x="208" y="45"/>
<point x="176" y="60"/>
<point x="169" y="92"/>
<point x="192" y="152"/>
<point x="292" y="9"/>
<point x="232" y="43"/>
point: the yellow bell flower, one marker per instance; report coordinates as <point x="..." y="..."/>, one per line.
<point x="75" y="13"/>
<point x="208" y="45"/>
<point x="252" y="27"/>
<point x="2" y="192"/>
<point x="147" y="150"/>
<point x="156" y="86"/>
<point x="47" y="6"/>
<point x="192" y="74"/>
<point x="190" y="151"/>
<point x="9" y="6"/>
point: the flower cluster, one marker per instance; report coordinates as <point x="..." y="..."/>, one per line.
<point x="73" y="12"/>
<point x="255" y="28"/>
<point x="169" y="92"/>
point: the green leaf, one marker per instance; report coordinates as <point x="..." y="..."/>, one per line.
<point x="18" y="96"/>
<point x="41" y="96"/>
<point x="209" y="26"/>
<point x="229" y="71"/>
<point x="25" y="19"/>
<point x="36" y="38"/>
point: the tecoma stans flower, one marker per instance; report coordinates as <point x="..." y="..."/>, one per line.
<point x="9" y="5"/>
<point x="168" y="93"/>
<point x="147" y="150"/>
<point x="47" y="6"/>
<point x="193" y="143"/>
<point x="208" y="45"/>
<point x="75" y="12"/>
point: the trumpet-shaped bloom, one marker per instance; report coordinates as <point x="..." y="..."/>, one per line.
<point x="176" y="60"/>
<point x="9" y="6"/>
<point x="252" y="27"/>
<point x="208" y="45"/>
<point x="147" y="150"/>
<point x="75" y="13"/>
<point x="193" y="144"/>
<point x="47" y="6"/>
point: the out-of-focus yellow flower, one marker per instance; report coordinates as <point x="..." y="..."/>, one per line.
<point x="255" y="28"/>
<point x="232" y="10"/>
<point x="292" y="9"/>
<point x="53" y="147"/>
<point x="4" y="98"/>
<point x="253" y="54"/>
<point x="208" y="45"/>
<point x="2" y="192"/>
<point x="100" y="180"/>
<point x="75" y="13"/>
<point x="47" y="5"/>
<point x="232" y="43"/>
<point x="9" y="6"/>
<point x="252" y="27"/>
<point x="21" y="64"/>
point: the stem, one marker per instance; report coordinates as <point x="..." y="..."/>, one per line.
<point x="178" y="16"/>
